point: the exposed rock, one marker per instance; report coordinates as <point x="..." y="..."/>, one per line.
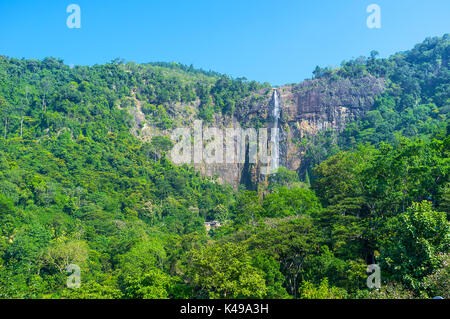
<point x="306" y="109"/>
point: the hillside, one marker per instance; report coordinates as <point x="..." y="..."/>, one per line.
<point x="86" y="179"/>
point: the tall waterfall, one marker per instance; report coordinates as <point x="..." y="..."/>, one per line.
<point x="275" y="133"/>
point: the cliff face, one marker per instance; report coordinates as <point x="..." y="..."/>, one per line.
<point x="310" y="107"/>
<point x="320" y="104"/>
<point x="305" y="110"/>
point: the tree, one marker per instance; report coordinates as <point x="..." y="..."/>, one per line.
<point x="290" y="202"/>
<point x="145" y="256"/>
<point x="340" y="181"/>
<point x="438" y="283"/>
<point x="283" y="177"/>
<point x="247" y="208"/>
<point x="21" y="108"/>
<point x="416" y="240"/>
<point x="224" y="271"/>
<point x="273" y="277"/>
<point x="62" y="254"/>
<point x="154" y="284"/>
<point x="291" y="243"/>
<point x="45" y="86"/>
<point x="5" y="110"/>
<point x="374" y="54"/>
<point x="91" y="290"/>
<point x="308" y="290"/>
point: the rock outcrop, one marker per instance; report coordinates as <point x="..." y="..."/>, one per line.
<point x="306" y="109"/>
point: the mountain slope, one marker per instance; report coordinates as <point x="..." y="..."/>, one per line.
<point x="85" y="179"/>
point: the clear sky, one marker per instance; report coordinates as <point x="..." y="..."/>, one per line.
<point x="278" y="41"/>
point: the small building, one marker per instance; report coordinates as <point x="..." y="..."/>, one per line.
<point x="212" y="225"/>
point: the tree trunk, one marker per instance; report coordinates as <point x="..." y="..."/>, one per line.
<point x="6" y="127"/>
<point x="21" y="126"/>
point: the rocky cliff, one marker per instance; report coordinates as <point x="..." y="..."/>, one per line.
<point x="306" y="109"/>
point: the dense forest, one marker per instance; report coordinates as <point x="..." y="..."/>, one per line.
<point x="78" y="187"/>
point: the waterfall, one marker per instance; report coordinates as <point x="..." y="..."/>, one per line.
<point x="275" y="133"/>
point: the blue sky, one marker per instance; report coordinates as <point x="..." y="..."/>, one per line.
<point x="279" y="41"/>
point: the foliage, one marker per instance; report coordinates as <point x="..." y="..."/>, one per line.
<point x="323" y="291"/>
<point x="224" y="271"/>
<point x="77" y="187"/>
<point x="413" y="251"/>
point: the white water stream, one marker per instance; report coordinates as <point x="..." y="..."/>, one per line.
<point x="275" y="133"/>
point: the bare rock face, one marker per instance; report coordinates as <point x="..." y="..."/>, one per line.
<point x="330" y="102"/>
<point x="322" y="104"/>
<point x="313" y="106"/>
<point x="306" y="109"/>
